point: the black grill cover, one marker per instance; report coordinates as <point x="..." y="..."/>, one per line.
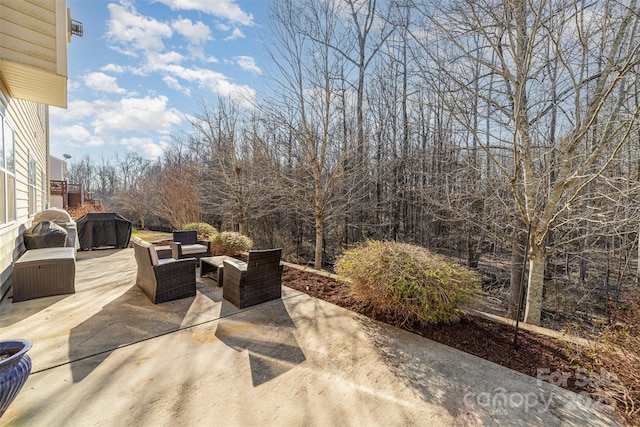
<point x="97" y="229"/>
<point x="45" y="234"/>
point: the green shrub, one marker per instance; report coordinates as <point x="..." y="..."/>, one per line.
<point x="204" y="230"/>
<point x="408" y="282"/>
<point x="230" y="243"/>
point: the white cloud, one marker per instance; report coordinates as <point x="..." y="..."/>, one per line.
<point x="73" y="85"/>
<point x="196" y="33"/>
<point x="226" y="9"/>
<point x="214" y="81"/>
<point x="76" y="111"/>
<point x="160" y="61"/>
<point x="196" y="51"/>
<point x="134" y="31"/>
<point x="74" y="136"/>
<point x="112" y="68"/>
<point x="147" y="114"/>
<point x="102" y="83"/>
<point x="173" y="83"/>
<point x="241" y="93"/>
<point x="236" y="34"/>
<point x="247" y="63"/>
<point x="190" y="118"/>
<point x="151" y="149"/>
<point x="134" y="115"/>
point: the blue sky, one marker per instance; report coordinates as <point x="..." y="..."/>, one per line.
<point x="142" y="66"/>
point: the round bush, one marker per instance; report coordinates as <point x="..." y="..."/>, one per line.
<point x="230" y="243"/>
<point x="408" y="282"/>
<point x="204" y="230"/>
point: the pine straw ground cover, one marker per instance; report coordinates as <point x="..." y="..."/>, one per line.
<point x="483" y="338"/>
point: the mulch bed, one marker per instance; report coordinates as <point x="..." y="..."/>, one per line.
<point x="481" y="337"/>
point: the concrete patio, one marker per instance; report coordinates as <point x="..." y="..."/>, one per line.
<point x="107" y="356"/>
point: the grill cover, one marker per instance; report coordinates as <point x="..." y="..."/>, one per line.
<point x="64" y="220"/>
<point x="97" y="229"/>
<point x="45" y="234"/>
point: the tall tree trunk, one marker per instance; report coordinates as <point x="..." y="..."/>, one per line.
<point x="535" y="285"/>
<point x="319" y="218"/>
<point x="518" y="238"/>
<point x="318" y="253"/>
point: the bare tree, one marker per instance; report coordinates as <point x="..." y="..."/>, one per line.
<point x="233" y="176"/>
<point x="130" y="168"/>
<point x="83" y="172"/>
<point x="307" y="108"/>
<point x="592" y="99"/>
<point x="177" y="197"/>
<point x="135" y="195"/>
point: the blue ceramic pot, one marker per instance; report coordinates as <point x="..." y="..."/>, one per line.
<point x="15" y="367"/>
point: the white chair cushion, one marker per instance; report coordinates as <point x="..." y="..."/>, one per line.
<point x="152" y="250"/>
<point x="193" y="249"/>
<point x="154" y="255"/>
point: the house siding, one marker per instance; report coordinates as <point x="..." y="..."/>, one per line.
<point x="33" y="49"/>
<point x="30" y="138"/>
<point x="33" y="74"/>
<point x="28" y="30"/>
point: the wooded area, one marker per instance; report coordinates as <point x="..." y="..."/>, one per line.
<point x="451" y="125"/>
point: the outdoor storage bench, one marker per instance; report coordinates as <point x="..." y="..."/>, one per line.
<point x="44" y="272"/>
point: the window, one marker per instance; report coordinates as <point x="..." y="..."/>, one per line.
<point x="33" y="175"/>
<point x="7" y="173"/>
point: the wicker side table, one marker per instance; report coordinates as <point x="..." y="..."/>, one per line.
<point x="215" y="265"/>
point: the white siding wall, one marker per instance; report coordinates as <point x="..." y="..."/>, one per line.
<point x="29" y="123"/>
<point x="56" y="168"/>
<point x="28" y="31"/>
<point x="56" y="172"/>
<point x="33" y="49"/>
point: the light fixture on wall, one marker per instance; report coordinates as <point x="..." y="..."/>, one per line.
<point x="76" y="28"/>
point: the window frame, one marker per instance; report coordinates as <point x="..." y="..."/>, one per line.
<point x="8" y="171"/>
<point x="43" y="189"/>
<point x="32" y="175"/>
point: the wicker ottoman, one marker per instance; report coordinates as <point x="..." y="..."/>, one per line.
<point x="44" y="272"/>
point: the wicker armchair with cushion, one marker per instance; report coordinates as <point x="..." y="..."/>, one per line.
<point x="186" y="244"/>
<point x="163" y="279"/>
<point x="256" y="281"/>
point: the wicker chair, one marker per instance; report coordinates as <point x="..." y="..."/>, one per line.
<point x="256" y="281"/>
<point x="186" y="245"/>
<point x="163" y="279"/>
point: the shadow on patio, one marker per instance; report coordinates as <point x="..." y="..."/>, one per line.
<point x="129" y="319"/>
<point x="268" y="336"/>
<point x="107" y="356"/>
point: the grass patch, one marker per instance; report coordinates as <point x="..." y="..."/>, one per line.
<point x="151" y="236"/>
